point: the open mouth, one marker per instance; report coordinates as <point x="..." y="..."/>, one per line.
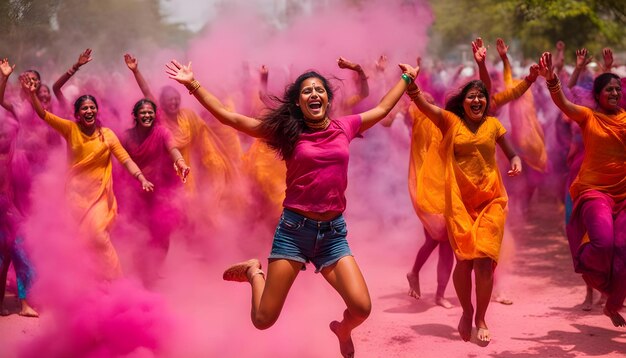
<point x="89" y="118"/>
<point x="476" y="109"/>
<point x="315" y="106"/>
<point x="147" y="121"/>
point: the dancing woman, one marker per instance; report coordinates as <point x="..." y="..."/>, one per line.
<point x="152" y="147"/>
<point x="312" y="227"/>
<point x="597" y="228"/>
<point x="89" y="187"/>
<point x="475" y="200"/>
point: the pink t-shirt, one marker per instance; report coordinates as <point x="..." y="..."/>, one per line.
<point x="317" y="172"/>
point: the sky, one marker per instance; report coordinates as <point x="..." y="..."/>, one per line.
<point x="193" y="13"/>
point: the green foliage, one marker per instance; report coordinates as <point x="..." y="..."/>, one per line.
<point x="38" y="32"/>
<point x="536" y="25"/>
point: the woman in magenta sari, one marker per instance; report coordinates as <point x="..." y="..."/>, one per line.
<point x="597" y="228"/>
<point x="152" y="148"/>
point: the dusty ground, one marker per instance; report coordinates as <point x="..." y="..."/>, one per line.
<point x="545" y="319"/>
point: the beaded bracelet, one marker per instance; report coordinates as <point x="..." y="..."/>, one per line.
<point x="407" y="78"/>
<point x="193" y="86"/>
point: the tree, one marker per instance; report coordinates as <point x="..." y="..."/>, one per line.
<point x="536" y="24"/>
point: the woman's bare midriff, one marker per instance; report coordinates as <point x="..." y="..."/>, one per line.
<point x="327" y="216"/>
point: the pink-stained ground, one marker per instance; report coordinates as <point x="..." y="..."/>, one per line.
<point x="545" y="320"/>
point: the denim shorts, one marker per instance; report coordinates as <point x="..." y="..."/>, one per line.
<point x="300" y="239"/>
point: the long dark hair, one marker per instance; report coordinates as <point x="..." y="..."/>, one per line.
<point x="455" y="103"/>
<point x="79" y="102"/>
<point x="281" y="126"/>
<point x="601" y="81"/>
<point x="138" y="106"/>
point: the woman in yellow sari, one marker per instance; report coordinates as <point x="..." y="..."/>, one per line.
<point x="475" y="199"/>
<point x="89" y="185"/>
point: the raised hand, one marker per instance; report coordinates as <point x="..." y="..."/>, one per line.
<point x="502" y="48"/>
<point x="607" y="55"/>
<point x="131" y="62"/>
<point x="546" y="69"/>
<point x="264" y="73"/>
<point x="343" y="63"/>
<point x="582" y="58"/>
<point x="480" y="52"/>
<point x="5" y="67"/>
<point x="181" y="73"/>
<point x="533" y="72"/>
<point x="410" y="70"/>
<point x="28" y="83"/>
<point x="381" y="63"/>
<point x="84" y="57"/>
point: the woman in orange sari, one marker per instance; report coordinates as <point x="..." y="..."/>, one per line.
<point x="89" y="187"/>
<point x="427" y="195"/>
<point x="597" y="228"/>
<point x="475" y="199"/>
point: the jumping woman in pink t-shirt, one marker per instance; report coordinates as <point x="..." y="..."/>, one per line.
<point x="311" y="227"/>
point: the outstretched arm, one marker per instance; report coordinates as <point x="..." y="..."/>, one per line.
<point x="607" y="56"/>
<point x="133" y="65"/>
<point x="30" y="87"/>
<point x="582" y="60"/>
<point x="480" y="56"/>
<point x="434" y="113"/>
<point x="559" y="57"/>
<point x="374" y="115"/>
<point x="554" y="85"/>
<point x="507" y="73"/>
<point x="134" y="170"/>
<point x="83" y="58"/>
<point x="181" y="167"/>
<point x="512" y="93"/>
<point x="184" y="75"/>
<point x="5" y="71"/>
<point x="361" y="81"/>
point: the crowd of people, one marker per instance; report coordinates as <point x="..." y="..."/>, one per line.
<point x="295" y="168"/>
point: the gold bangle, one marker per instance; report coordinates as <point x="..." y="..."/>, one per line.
<point x="554" y="86"/>
<point x="193" y="86"/>
<point x="414" y="93"/>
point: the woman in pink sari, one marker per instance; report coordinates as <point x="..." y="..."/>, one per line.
<point x="152" y="148"/>
<point x="597" y="228"/>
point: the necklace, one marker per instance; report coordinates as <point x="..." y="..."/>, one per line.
<point x="323" y="124"/>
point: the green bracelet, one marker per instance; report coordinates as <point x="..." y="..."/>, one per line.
<point x="407" y="78"/>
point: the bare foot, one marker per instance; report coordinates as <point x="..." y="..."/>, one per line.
<point x="345" y="340"/>
<point x="502" y="300"/>
<point x="588" y="301"/>
<point x="27" y="310"/>
<point x="616" y="318"/>
<point x="239" y="272"/>
<point x="602" y="300"/>
<point x="443" y="302"/>
<point x="465" y="327"/>
<point x="414" y="285"/>
<point x="483" y="334"/>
